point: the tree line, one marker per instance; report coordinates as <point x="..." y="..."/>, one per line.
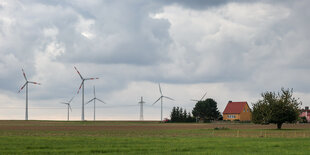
<point x="276" y="108"/>
<point x="205" y="110"/>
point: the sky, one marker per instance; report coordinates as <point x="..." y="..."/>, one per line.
<point x="233" y="50"/>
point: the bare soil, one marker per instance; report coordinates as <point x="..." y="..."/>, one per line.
<point x="130" y="126"/>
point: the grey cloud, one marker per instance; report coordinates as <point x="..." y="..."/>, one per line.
<point x="199" y="4"/>
<point x="126" y="44"/>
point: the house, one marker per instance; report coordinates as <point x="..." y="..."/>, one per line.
<point x="237" y="111"/>
<point x="305" y="113"/>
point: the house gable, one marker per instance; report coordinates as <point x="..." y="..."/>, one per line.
<point x="234" y="107"/>
<point x="237" y="111"/>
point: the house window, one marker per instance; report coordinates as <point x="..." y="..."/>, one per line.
<point x="231" y="116"/>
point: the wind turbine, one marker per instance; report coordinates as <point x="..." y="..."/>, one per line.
<point x="141" y="108"/>
<point x="200" y="99"/>
<point x="94" y="99"/>
<point x="82" y="86"/>
<point x="69" y="106"/>
<point x="197" y="118"/>
<point x="26" y="84"/>
<point x="161" y="102"/>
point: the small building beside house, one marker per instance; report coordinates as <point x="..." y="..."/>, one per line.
<point x="237" y="111"/>
<point x="305" y="113"/>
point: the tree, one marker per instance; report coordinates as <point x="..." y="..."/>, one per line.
<point x="180" y="115"/>
<point x="206" y="110"/>
<point x="277" y="108"/>
<point x="173" y="114"/>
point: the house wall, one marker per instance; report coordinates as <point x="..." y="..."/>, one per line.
<point x="246" y="113"/>
<point x="225" y="117"/>
<point x="305" y="114"/>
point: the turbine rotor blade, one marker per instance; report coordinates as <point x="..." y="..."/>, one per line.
<point x="78" y="72"/>
<point x="194" y="100"/>
<point x="34" y="83"/>
<point x="80" y="87"/>
<point x="70" y="107"/>
<point x="63" y="102"/>
<point x="157" y="100"/>
<point x="94" y="92"/>
<point x="203" y="96"/>
<point x="91" y="78"/>
<point x="22" y="87"/>
<point x="71" y="99"/>
<point x="24" y="74"/>
<point x="169" y="98"/>
<point x="100" y="100"/>
<point x="161" y="93"/>
<point x="90" y="100"/>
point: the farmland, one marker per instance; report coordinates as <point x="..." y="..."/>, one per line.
<point x="112" y="137"/>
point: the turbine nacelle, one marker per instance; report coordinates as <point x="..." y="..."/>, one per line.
<point x="26" y="85"/>
<point x="94" y="99"/>
<point x="82" y="85"/>
<point x="161" y="99"/>
<point x="83" y="79"/>
<point x="162" y="96"/>
<point x="68" y="103"/>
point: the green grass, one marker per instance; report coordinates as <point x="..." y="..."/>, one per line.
<point x="132" y="138"/>
<point x="154" y="145"/>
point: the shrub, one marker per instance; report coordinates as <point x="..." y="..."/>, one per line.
<point x="221" y="128"/>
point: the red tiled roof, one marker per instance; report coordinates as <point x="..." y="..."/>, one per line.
<point x="234" y="107"/>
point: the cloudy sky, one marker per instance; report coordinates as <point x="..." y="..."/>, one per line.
<point x="233" y="50"/>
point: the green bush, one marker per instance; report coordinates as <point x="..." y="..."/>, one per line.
<point x="221" y="128"/>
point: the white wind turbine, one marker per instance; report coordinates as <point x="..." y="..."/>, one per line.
<point x="141" y="108"/>
<point x="200" y="99"/>
<point x="82" y="85"/>
<point x="161" y="102"/>
<point x="94" y="99"/>
<point x="68" y="105"/>
<point x="26" y="84"/>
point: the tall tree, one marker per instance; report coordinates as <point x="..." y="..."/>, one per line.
<point x="173" y="114"/>
<point x="180" y="115"/>
<point x="277" y="108"/>
<point x="206" y="109"/>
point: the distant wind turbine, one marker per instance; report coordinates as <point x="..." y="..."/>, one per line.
<point x="94" y="99"/>
<point x="68" y="105"/>
<point x="26" y="84"/>
<point x="141" y="108"/>
<point x="200" y="99"/>
<point x="82" y="86"/>
<point x="161" y="102"/>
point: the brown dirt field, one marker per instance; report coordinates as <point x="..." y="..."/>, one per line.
<point x="129" y="126"/>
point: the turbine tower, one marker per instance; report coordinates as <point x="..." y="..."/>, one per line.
<point x="68" y="105"/>
<point x="141" y="108"/>
<point x="82" y="86"/>
<point x="161" y="102"/>
<point x="200" y="99"/>
<point x="26" y="84"/>
<point x="94" y="99"/>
